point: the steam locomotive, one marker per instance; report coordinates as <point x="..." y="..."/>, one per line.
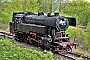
<point x="45" y="31"/>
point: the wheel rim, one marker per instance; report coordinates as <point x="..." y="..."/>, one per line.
<point x="69" y="49"/>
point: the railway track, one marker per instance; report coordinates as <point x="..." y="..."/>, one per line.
<point x="4" y="35"/>
<point x="65" y="56"/>
<point x="71" y="56"/>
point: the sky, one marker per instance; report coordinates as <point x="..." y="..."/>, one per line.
<point x="88" y="0"/>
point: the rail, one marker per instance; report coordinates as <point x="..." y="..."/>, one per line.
<point x="4" y="35"/>
<point x="67" y="56"/>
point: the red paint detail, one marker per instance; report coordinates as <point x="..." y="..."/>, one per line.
<point x="12" y="33"/>
<point x="33" y="33"/>
<point x="60" y="52"/>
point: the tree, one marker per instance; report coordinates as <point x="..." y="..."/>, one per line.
<point x="79" y="9"/>
<point x="45" y="5"/>
<point x="87" y="37"/>
<point x="2" y="8"/>
<point x="52" y="5"/>
<point x="56" y="5"/>
<point x="30" y="5"/>
<point x="17" y="6"/>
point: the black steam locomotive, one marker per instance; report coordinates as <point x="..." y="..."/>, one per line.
<point x="45" y="31"/>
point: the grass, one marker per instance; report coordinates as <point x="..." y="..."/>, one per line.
<point x="10" y="51"/>
<point x="78" y="59"/>
<point x="85" y="52"/>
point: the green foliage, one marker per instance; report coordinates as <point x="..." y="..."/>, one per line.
<point x="78" y="59"/>
<point x="45" y="5"/>
<point x="2" y="8"/>
<point x="79" y="9"/>
<point x="10" y="51"/>
<point x="56" y="5"/>
<point x="17" y="6"/>
<point x="76" y="34"/>
<point x="87" y="37"/>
